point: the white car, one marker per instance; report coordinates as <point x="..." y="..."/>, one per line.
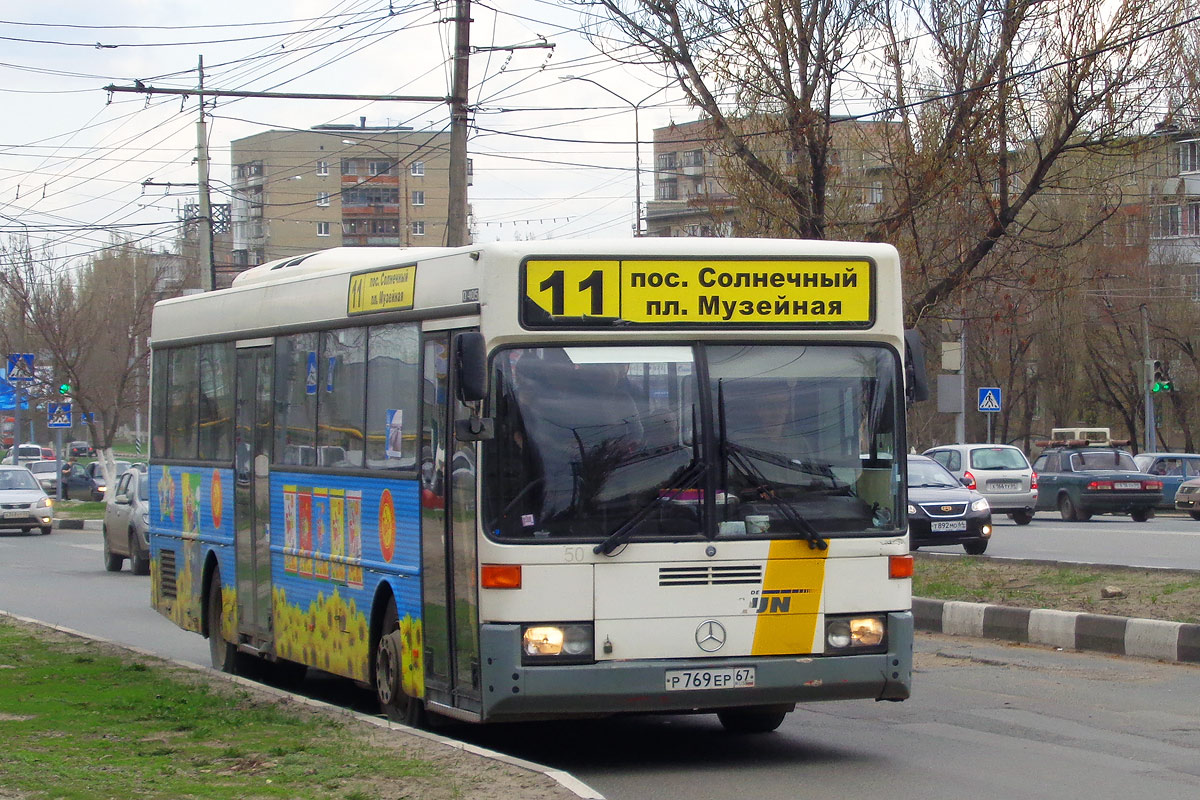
<point x="999" y="472"/>
<point x="23" y="504"/>
<point x="24" y="454"/>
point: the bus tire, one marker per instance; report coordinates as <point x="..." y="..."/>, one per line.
<point x="756" y="719"/>
<point x="222" y="652"/>
<point x="388" y="674"/>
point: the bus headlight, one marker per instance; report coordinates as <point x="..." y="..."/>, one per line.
<point x="857" y="634"/>
<point x="557" y="643"/>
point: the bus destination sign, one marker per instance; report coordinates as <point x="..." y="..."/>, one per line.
<point x="788" y="293"/>
<point x="388" y="289"/>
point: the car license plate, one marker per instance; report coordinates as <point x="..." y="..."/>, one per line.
<point x="952" y="525"/>
<point x="15" y="514"/>
<point x="679" y="680"/>
<point x="1004" y="486"/>
<point x="1127" y="485"/>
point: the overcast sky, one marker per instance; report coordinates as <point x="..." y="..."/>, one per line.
<point x="553" y="158"/>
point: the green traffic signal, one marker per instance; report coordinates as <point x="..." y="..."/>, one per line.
<point x="64" y="389"/>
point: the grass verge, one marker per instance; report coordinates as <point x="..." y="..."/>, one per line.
<point x="1172" y="595"/>
<point x="81" y="720"/>
<point x="78" y="509"/>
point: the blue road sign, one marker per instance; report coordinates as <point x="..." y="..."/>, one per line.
<point x="310" y="379"/>
<point x="58" y="415"/>
<point x="989" y="399"/>
<point x="20" y="367"/>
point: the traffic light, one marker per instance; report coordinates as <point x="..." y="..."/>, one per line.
<point x="65" y="388"/>
<point x="1161" y="382"/>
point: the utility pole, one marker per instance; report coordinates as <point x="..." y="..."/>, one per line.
<point x="456" y="220"/>
<point x="1147" y="380"/>
<point x="208" y="272"/>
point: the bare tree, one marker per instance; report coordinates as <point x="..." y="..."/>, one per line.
<point x="91" y="324"/>
<point x="984" y="110"/>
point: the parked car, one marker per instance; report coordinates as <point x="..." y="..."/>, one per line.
<point x="127" y="523"/>
<point x="999" y="472"/>
<point x="1171" y="468"/>
<point x="96" y="474"/>
<point x="24" y="454"/>
<point x="942" y="511"/>
<point x="1081" y="481"/>
<point x="1187" y="497"/>
<point x="81" y="450"/>
<point x="23" y="503"/>
<point x="46" y="473"/>
<point x="48" y="454"/>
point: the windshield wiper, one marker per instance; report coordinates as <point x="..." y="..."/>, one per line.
<point x="735" y="456"/>
<point x="688" y="479"/>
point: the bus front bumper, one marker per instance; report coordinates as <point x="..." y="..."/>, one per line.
<point x="512" y="691"/>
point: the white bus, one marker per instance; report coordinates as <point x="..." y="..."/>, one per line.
<point x="544" y="480"/>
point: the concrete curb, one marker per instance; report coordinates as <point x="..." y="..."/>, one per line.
<point x="564" y="779"/>
<point x="1070" y="630"/>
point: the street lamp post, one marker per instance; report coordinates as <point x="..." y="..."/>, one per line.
<point x="637" y="144"/>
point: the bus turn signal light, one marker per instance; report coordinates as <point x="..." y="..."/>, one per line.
<point x="500" y="576"/>
<point x="900" y="566"/>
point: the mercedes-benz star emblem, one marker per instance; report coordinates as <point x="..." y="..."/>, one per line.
<point x="710" y="636"/>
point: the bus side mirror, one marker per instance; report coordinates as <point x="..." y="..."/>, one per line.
<point x="916" y="382"/>
<point x="470" y="359"/>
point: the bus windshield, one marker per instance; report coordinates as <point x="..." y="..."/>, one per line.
<point x="788" y="441"/>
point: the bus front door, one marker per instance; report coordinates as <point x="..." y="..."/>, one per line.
<point x="252" y="419"/>
<point x="449" y="553"/>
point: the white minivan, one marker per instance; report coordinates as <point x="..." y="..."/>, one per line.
<point x="23" y="454"/>
<point x="999" y="472"/>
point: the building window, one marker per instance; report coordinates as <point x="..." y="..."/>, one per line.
<point x="322" y="167"/>
<point x="667" y="191"/>
<point x="418" y="198"/>
<point x="322" y="229"/>
<point x="417" y="169"/>
<point x="418" y="228"/>
<point x="349" y="166"/>
<point x="322" y="198"/>
<point x="252" y="170"/>
<point x="666" y="161"/>
<point x="1168" y="220"/>
<point x="1189" y="156"/>
<point x="379" y="168"/>
<point x="875" y="193"/>
<point x="1193" y="218"/>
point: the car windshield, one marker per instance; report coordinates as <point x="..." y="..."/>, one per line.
<point x="1103" y="460"/>
<point x="930" y="475"/>
<point x="998" y="458"/>
<point x="17" y="479"/>
<point x="783" y="438"/>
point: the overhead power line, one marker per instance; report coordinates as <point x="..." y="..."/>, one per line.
<point x="142" y="89"/>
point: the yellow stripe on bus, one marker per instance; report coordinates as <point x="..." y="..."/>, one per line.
<point x="790" y="599"/>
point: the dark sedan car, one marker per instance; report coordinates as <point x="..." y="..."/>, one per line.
<point x="942" y="511"/>
<point x="81" y="450"/>
<point x="1081" y="481"/>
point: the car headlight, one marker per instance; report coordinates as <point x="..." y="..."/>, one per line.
<point x="45" y="502"/>
<point x="856" y="634"/>
<point x="557" y="643"/>
<point x="146" y="518"/>
<point x="912" y="509"/>
<point x="980" y="505"/>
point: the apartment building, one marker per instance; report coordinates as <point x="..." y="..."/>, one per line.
<point x="337" y="185"/>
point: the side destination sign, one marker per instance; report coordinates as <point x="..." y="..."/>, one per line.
<point x="388" y="289"/>
<point x="801" y="293"/>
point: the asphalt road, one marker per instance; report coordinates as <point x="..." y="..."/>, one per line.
<point x="1168" y="540"/>
<point x="986" y="719"/>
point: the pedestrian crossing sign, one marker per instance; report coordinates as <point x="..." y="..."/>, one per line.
<point x="20" y="367"/>
<point x="989" y="399"/>
<point x="58" y="415"/>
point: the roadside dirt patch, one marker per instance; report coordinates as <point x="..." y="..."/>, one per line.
<point x="1095" y="589"/>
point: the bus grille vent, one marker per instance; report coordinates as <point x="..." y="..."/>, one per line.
<point x="166" y="573"/>
<point x="710" y="575"/>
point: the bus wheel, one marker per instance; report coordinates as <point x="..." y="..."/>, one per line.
<point x="389" y="674"/>
<point x="761" y="719"/>
<point x="222" y="652"/>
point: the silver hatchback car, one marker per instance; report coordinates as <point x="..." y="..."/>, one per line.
<point x="999" y="472"/>
<point x="127" y="523"/>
